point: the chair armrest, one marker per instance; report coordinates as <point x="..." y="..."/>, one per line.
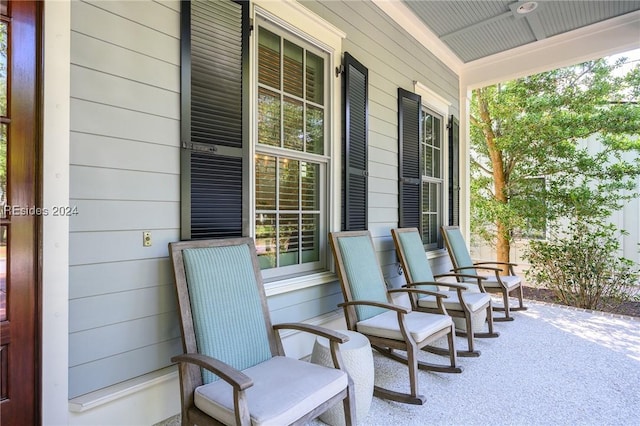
<point x="510" y="266"/>
<point x="419" y="291"/>
<point x="439" y="296"/>
<point x="488" y="268"/>
<point x="458" y="275"/>
<point x="235" y="378"/>
<point x="389" y="306"/>
<point x="479" y="278"/>
<point x="314" y="329"/>
<point x="445" y="283"/>
<point x="496" y="263"/>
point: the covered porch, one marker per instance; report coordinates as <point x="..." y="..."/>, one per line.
<point x="111" y="147"/>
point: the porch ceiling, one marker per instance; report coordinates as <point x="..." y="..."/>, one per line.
<point x="474" y="29"/>
<point x="487" y="41"/>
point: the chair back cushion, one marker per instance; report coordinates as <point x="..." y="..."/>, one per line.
<point x="226" y="306"/>
<point x="416" y="260"/>
<point x="459" y="252"/>
<point x="362" y="274"/>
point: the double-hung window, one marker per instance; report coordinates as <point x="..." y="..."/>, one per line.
<point x="258" y="129"/>
<point x="291" y="151"/>
<point x="428" y="192"/>
<point x="432" y="210"/>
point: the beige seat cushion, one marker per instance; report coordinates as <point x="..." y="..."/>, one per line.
<point x="419" y="324"/>
<point x="474" y="301"/>
<point x="511" y="281"/>
<point x="284" y="389"/>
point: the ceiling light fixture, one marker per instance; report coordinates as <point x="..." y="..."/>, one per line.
<point x="527" y="7"/>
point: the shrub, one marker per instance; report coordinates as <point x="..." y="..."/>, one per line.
<point x="583" y="268"/>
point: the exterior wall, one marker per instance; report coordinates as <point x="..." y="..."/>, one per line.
<point x="124" y="172"/>
<point x="124" y="179"/>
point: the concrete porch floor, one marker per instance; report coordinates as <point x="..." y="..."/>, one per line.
<point x="551" y="366"/>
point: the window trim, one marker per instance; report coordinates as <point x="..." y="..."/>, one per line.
<point x="303" y="25"/>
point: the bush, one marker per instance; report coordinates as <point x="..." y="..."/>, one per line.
<point x="582" y="267"/>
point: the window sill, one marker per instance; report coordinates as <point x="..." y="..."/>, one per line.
<point x="298" y="283"/>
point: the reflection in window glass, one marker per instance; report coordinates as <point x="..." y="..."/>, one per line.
<point x="3" y="69"/>
<point x="3" y="272"/>
<point x="293" y="122"/>
<point x="266" y="240"/>
<point x="293" y="77"/>
<point x="315" y="130"/>
<point x="315" y="78"/>
<point x="265" y="182"/>
<point x="291" y="97"/>
<point x="268" y="117"/>
<point x="288" y="192"/>
<point x="269" y="59"/>
<point x="3" y="168"/>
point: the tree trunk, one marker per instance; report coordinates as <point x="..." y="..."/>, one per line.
<point x="500" y="177"/>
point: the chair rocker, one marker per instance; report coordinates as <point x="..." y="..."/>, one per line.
<point x="234" y="370"/>
<point x="497" y="283"/>
<point x="369" y="309"/>
<point x="465" y="307"/>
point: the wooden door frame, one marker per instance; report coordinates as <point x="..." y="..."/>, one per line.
<point x="25" y="92"/>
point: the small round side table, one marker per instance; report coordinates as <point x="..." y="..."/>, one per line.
<point x="358" y="361"/>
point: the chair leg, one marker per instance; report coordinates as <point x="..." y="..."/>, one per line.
<point x="412" y="363"/>
<point x="426" y="366"/>
<point x="491" y="333"/>
<point x="521" y="306"/>
<point x="406" y="398"/>
<point x="349" y="405"/>
<point x="507" y="314"/>
<point x="470" y="352"/>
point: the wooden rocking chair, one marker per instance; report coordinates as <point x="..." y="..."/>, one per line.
<point x="369" y="309"/>
<point x="465" y="307"/>
<point x="234" y="370"/>
<point x="496" y="283"/>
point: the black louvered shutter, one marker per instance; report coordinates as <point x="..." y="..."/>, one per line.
<point x="214" y="154"/>
<point x="354" y="146"/>
<point x="454" y="172"/>
<point x="410" y="177"/>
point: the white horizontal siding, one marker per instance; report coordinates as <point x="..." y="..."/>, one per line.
<point x="112" y="184"/>
<point x="96" y="86"/>
<point x="93" y="53"/>
<point x="154" y="41"/>
<point x="109" y="152"/>
<point x="123" y="337"/>
<point x="116" y="246"/>
<point x="104" y="372"/>
<point x="125" y="215"/>
<point x="126" y="306"/>
<point x="124" y="174"/>
<point x="116" y="277"/>
<point x="123" y="124"/>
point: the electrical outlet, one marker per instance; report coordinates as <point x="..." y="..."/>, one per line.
<point x="146" y="238"/>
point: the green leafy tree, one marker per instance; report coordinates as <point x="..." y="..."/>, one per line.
<point x="530" y="128"/>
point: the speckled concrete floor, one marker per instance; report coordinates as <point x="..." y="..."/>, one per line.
<point x="551" y="366"/>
